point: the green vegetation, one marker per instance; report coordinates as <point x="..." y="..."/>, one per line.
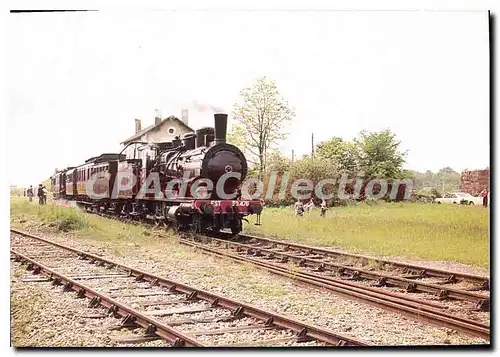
<point x="82" y="224"/>
<point x="22" y="309"/>
<point x="428" y="183"/>
<point x="259" y="115"/>
<point x="411" y="230"/>
<point x="369" y="155"/>
<point x="377" y="154"/>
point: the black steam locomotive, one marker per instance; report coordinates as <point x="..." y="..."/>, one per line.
<point x="193" y="183"/>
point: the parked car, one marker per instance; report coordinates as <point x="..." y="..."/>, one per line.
<point x="460" y="198"/>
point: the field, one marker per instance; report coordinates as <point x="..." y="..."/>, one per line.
<point x="423" y="231"/>
<point x="411" y="230"/>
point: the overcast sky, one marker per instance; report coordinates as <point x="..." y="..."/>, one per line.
<point x="77" y="81"/>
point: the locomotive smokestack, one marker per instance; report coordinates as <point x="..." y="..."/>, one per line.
<point x="220" y="124"/>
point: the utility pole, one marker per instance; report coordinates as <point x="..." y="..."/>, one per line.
<point x="293" y="155"/>
<point x="312" y="145"/>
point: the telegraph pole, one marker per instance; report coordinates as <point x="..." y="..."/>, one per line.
<point x="312" y="145"/>
<point x="293" y="155"/>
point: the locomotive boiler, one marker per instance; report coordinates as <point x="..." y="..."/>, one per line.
<point x="205" y="155"/>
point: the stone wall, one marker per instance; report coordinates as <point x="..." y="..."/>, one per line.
<point x="474" y="181"/>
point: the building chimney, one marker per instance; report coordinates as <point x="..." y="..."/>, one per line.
<point x="220" y="125"/>
<point x="137" y="126"/>
<point x="184" y="116"/>
<point x="157" y="120"/>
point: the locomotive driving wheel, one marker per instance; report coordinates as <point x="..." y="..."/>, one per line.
<point x="195" y="226"/>
<point x="176" y="226"/>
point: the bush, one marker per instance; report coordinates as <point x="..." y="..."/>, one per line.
<point x="71" y="223"/>
<point x="427" y="194"/>
<point x="64" y="218"/>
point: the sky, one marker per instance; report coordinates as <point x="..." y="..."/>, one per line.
<point x="76" y="81"/>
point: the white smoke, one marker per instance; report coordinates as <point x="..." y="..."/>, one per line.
<point x="201" y="107"/>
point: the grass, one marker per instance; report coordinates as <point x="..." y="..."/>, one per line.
<point x="21" y="320"/>
<point x="70" y="219"/>
<point x="412" y="230"/>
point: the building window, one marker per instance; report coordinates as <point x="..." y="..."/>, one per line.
<point x="171" y="131"/>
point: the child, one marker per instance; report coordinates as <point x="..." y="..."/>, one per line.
<point x="299" y="208"/>
<point x="323" y="208"/>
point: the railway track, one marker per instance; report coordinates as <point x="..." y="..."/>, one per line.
<point x="318" y="266"/>
<point x="408" y="276"/>
<point x="382" y="273"/>
<point x="483" y="283"/>
<point x="180" y="314"/>
<point x="314" y="266"/>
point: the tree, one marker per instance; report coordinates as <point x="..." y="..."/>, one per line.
<point x="344" y="155"/>
<point x="260" y="116"/>
<point x="375" y="153"/>
<point x="380" y="156"/>
<point x="277" y="162"/>
<point x="447" y="180"/>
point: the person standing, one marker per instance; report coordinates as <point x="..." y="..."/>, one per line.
<point x="44" y="192"/>
<point x="324" y="208"/>
<point x="41" y="201"/>
<point x="484" y="195"/>
<point x="299" y="208"/>
<point x="309" y="206"/>
<point x="29" y="192"/>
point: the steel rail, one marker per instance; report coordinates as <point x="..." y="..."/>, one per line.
<point x="176" y="338"/>
<point x="359" y="293"/>
<point x="411" y="285"/>
<point x="302" y="329"/>
<point x="420" y="270"/>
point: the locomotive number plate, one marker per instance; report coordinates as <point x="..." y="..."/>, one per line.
<point x="235" y="203"/>
<point x="241" y="203"/>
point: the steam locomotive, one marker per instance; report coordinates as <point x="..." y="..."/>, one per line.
<point x="192" y="184"/>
